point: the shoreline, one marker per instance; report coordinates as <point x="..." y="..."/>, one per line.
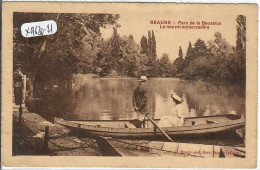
<point x="89" y="76"/>
<point x="28" y="138"/>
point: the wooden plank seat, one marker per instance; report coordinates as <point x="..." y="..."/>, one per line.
<point x="129" y="125"/>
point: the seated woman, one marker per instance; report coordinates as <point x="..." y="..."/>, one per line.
<point x="176" y="117"/>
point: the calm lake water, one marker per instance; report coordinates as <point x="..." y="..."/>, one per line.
<point x="111" y="98"/>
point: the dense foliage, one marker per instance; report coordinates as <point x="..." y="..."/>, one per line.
<point x="78" y="47"/>
<point x="214" y="60"/>
<point x="122" y="56"/>
<point x="217" y="60"/>
<point x="54" y="58"/>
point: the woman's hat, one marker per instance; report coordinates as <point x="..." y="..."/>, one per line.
<point x="177" y="98"/>
<point x="143" y="79"/>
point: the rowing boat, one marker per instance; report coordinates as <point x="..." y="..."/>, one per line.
<point x="126" y="129"/>
<point x="121" y="147"/>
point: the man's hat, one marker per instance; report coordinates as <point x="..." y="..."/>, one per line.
<point x="176" y="98"/>
<point x="143" y="79"/>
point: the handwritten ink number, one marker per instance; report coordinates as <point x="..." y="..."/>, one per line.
<point x="32" y="30"/>
<point x="49" y="28"/>
<point x="38" y="30"/>
<point x="27" y="31"/>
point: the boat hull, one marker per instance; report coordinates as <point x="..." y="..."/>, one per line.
<point x="95" y="128"/>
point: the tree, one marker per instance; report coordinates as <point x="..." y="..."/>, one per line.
<point x="240" y="54"/>
<point x="104" y="58"/>
<point x="241" y="32"/>
<point x="220" y="61"/>
<point x="199" y="49"/>
<point x="129" y="54"/>
<point x="224" y="61"/>
<point x="150" y="45"/>
<point x="178" y="66"/>
<point x="153" y="46"/>
<point x="165" y="65"/>
<point x="180" y="52"/>
<point x="57" y="56"/>
<point x="129" y="62"/>
<point x="189" y="54"/>
<point x="116" y="53"/>
<point x="141" y="61"/>
<point x="151" y="54"/>
<point x="144" y="45"/>
<point x="151" y="50"/>
<point x="165" y="59"/>
<point x="192" y="67"/>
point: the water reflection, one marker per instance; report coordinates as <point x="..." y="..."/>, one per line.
<point x="108" y="98"/>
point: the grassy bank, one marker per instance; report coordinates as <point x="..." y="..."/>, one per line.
<point x="28" y="138"/>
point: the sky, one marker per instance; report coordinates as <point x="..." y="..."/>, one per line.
<point x="136" y="21"/>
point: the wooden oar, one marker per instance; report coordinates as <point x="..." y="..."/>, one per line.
<point x="165" y="134"/>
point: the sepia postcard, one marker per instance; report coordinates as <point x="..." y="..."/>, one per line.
<point x="135" y="85"/>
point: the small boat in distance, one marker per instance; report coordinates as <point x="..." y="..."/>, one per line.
<point x="126" y="129"/>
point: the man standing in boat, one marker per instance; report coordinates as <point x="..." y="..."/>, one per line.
<point x="140" y="100"/>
